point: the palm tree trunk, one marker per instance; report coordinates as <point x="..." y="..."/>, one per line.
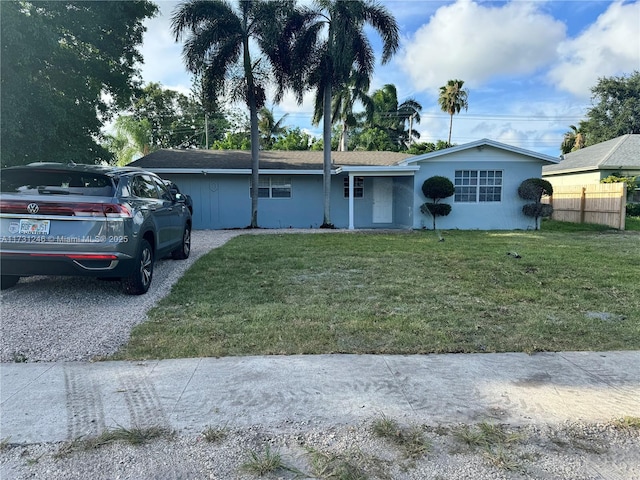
<point x="326" y="139"/>
<point x="255" y="160"/>
<point x="450" y="126"/>
<point x="343" y="137"/>
<point x="255" y="135"/>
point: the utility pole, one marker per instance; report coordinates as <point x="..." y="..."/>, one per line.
<point x="206" y="132"/>
<point x="411" y="127"/>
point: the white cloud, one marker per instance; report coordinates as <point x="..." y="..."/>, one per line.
<point x="610" y="46"/>
<point x="474" y="42"/>
<point x="161" y="53"/>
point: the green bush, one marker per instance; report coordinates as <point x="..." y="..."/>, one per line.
<point x="537" y="210"/>
<point x="436" y="209"/>
<point x="533" y="189"/>
<point x="436" y="188"/>
<point x="633" y="209"/>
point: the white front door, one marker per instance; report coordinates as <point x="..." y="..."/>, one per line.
<point x="382" y="200"/>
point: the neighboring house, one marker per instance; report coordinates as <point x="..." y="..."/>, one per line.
<point x="619" y="156"/>
<point x="368" y="189"/>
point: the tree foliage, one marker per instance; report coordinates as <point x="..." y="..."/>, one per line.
<point x="453" y="98"/>
<point x="574" y="139"/>
<point x="437" y="188"/>
<point x="533" y="189"/>
<point x="615" y="110"/>
<point x="293" y="139"/>
<point x="427" y="147"/>
<point x="60" y="62"/>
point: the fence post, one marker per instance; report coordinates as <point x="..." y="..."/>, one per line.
<point x="583" y="204"/>
<point x="623" y="207"/>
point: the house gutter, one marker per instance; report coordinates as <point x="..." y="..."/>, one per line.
<point x="236" y="171"/>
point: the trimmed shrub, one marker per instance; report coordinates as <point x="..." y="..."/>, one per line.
<point x="533" y="189"/>
<point x="436" y="188"/>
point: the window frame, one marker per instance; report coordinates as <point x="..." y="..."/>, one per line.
<point x="478" y="186"/>
<point x="268" y="186"/>
<point x="358" y="187"/>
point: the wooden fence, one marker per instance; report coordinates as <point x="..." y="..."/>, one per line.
<point x="601" y="203"/>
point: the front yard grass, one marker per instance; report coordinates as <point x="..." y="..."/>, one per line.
<point x="401" y="293"/>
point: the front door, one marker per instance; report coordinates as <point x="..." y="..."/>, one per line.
<point x="382" y="200"/>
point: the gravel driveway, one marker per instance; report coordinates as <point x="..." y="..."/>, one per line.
<point x="48" y="319"/>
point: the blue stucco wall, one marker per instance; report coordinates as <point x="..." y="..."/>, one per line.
<point x="504" y="215"/>
<point x="223" y="201"/>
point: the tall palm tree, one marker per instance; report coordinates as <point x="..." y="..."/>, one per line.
<point x="334" y="44"/>
<point x="452" y="99"/>
<point x="343" y="101"/>
<point x="218" y="37"/>
<point x="573" y="140"/>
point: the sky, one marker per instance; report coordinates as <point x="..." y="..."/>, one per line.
<point x="528" y="65"/>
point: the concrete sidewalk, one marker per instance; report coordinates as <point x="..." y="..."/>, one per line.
<point x="51" y="402"/>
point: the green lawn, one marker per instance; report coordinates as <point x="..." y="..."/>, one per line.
<point x="402" y="293"/>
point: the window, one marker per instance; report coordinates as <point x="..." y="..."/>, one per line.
<point x="274" y="187"/>
<point x="144" y="187"/>
<point x="165" y="194"/>
<point x="478" y="185"/>
<point x="358" y="187"/>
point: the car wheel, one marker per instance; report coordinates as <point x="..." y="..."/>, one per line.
<point x="140" y="279"/>
<point x="182" y="252"/>
<point x="8" y="281"/>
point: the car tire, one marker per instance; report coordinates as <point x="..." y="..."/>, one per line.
<point x="140" y="279"/>
<point x="183" y="251"/>
<point x="8" y="281"/>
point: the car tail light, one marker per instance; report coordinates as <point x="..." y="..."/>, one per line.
<point x="89" y="256"/>
<point x="68" y="209"/>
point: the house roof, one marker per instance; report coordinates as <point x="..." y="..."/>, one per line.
<point x="619" y="153"/>
<point x="190" y="160"/>
<point x="480" y="144"/>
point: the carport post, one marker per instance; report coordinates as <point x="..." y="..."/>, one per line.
<point x="351" y="225"/>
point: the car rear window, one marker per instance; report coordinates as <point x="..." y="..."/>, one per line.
<point x="55" y="182"/>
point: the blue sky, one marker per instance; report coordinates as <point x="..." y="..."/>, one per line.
<point x="528" y="65"/>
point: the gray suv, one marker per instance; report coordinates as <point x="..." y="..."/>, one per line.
<point x="89" y="220"/>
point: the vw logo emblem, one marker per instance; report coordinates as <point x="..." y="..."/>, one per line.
<point x="33" y="208"/>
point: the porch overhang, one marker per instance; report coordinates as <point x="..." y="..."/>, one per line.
<point x="371" y="171"/>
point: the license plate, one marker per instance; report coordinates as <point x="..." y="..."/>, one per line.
<point x="35" y="227"/>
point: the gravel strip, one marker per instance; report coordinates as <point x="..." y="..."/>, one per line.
<point x="569" y="451"/>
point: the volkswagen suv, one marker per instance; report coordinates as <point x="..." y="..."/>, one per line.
<point x="89" y="220"/>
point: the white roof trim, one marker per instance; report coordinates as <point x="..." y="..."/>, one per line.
<point x="396" y="170"/>
<point x="477" y="144"/>
<point x="237" y="171"/>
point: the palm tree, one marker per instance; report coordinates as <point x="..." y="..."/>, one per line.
<point x="453" y="98"/>
<point x="332" y="46"/>
<point x="218" y="37"/>
<point x="391" y="117"/>
<point x="343" y="101"/>
<point x="269" y="128"/>
<point x="573" y="140"/>
<point x="409" y="112"/>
